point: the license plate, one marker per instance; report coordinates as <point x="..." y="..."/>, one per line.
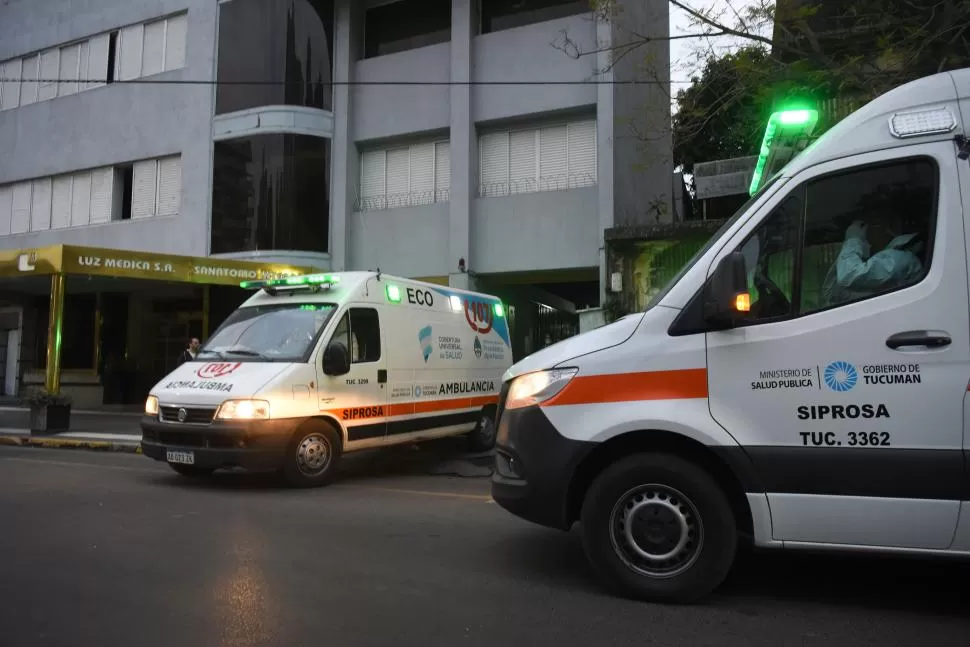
<point x="186" y="458"/>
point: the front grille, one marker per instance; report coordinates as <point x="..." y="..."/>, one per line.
<point x="199" y="439"/>
<point x="193" y="415"/>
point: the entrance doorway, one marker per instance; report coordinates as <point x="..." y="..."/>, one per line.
<point x="11" y="362"/>
<point x="9" y="351"/>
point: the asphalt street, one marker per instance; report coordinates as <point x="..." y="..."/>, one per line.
<point x="115" y="550"/>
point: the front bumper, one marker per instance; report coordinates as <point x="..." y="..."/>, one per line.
<point x="253" y="445"/>
<point x="534" y="466"/>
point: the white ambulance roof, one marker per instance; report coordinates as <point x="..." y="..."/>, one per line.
<point x="867" y="129"/>
<point x="351" y="284"/>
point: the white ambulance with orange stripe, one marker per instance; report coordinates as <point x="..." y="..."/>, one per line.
<point x="801" y="383"/>
<point x="311" y="367"/>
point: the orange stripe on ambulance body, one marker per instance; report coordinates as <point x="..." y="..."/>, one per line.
<point x="410" y="408"/>
<point x="632" y="387"/>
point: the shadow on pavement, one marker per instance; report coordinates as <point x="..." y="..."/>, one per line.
<point x="912" y="585"/>
<point x="761" y="581"/>
<point x="442" y="457"/>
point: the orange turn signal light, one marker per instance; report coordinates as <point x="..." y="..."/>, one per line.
<point x="742" y="302"/>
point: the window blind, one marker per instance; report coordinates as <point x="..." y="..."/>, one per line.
<point x="169" y="185"/>
<point x="143" y="189"/>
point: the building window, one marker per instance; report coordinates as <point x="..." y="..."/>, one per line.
<point x="271" y="192"/>
<point x="156" y="187"/>
<point x="275" y="53"/>
<point x="496" y="15"/>
<point x="10" y="87"/>
<point x="132" y="52"/>
<point x="92" y="197"/>
<point x="150" y="48"/>
<point x="123" y="177"/>
<point x="548" y="158"/>
<point x="406" y="24"/>
<point x="405" y="176"/>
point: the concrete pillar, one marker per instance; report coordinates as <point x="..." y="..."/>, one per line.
<point x="344" y="160"/>
<point x="604" y="146"/>
<point x="464" y="147"/>
<point x="55" y="325"/>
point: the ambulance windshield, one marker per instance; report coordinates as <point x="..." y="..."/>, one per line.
<point x="269" y="333"/>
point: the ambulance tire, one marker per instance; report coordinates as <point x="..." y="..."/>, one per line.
<point x="679" y="543"/>
<point x="312" y="456"/>
<point x="191" y="471"/>
<point x="482" y="437"/>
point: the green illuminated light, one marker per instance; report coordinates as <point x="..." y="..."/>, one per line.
<point x="795" y="117"/>
<point x="797" y="122"/>
<point x="309" y="279"/>
<point x="393" y="294"/>
<point x="499" y="310"/>
<point x="306" y="279"/>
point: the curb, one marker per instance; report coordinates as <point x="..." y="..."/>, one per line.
<point x="70" y="443"/>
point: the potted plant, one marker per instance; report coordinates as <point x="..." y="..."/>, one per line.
<point x="50" y="413"/>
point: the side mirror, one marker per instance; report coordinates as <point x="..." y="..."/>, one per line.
<point x="336" y="359"/>
<point x="726" y="297"/>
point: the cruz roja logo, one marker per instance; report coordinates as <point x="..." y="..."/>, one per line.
<point x="840" y="376"/>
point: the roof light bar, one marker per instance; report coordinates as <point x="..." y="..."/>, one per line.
<point x="795" y="123"/>
<point x="922" y="122"/>
<point x="323" y="281"/>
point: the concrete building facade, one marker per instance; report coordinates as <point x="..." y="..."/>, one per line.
<point x="484" y="143"/>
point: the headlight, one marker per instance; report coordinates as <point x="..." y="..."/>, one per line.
<point x="534" y="388"/>
<point x="151" y="406"/>
<point x="243" y="410"/>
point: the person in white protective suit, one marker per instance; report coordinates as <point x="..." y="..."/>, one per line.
<point x="856" y="274"/>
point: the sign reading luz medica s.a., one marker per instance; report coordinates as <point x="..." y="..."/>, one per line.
<point x="144" y="265"/>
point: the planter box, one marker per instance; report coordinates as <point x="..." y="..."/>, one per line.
<point x="49" y="419"/>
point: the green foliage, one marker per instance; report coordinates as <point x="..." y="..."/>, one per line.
<point x="614" y="308"/>
<point x="816" y="50"/>
<point x="39" y="397"/>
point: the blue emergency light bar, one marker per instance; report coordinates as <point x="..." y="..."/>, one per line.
<point x="317" y="281"/>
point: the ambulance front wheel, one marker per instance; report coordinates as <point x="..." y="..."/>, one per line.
<point x="657" y="527"/>
<point x="312" y="455"/>
<point x="482" y="437"/>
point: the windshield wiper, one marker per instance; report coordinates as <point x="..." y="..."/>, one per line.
<point x="245" y="352"/>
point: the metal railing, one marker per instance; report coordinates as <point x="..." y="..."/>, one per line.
<point x="533" y="185"/>
<point x="401" y="200"/>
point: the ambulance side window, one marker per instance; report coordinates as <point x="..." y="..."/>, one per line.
<point x="365" y="329"/>
<point x="868" y="231"/>
<point x="769" y="254"/>
<point x="342" y="334"/>
<point x="359" y="331"/>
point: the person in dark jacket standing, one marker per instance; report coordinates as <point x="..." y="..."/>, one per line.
<point x="190" y="351"/>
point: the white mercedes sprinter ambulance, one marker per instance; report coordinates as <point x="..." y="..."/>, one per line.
<point x="311" y="367"/>
<point x="802" y="382"/>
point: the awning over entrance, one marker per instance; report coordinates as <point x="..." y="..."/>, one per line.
<point x="60" y="261"/>
<point x="120" y="263"/>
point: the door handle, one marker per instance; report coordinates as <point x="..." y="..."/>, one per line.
<point x="924" y="338"/>
<point x="382" y="376"/>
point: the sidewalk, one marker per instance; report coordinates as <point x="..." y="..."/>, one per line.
<point x="119" y="431"/>
<point x="106" y="430"/>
